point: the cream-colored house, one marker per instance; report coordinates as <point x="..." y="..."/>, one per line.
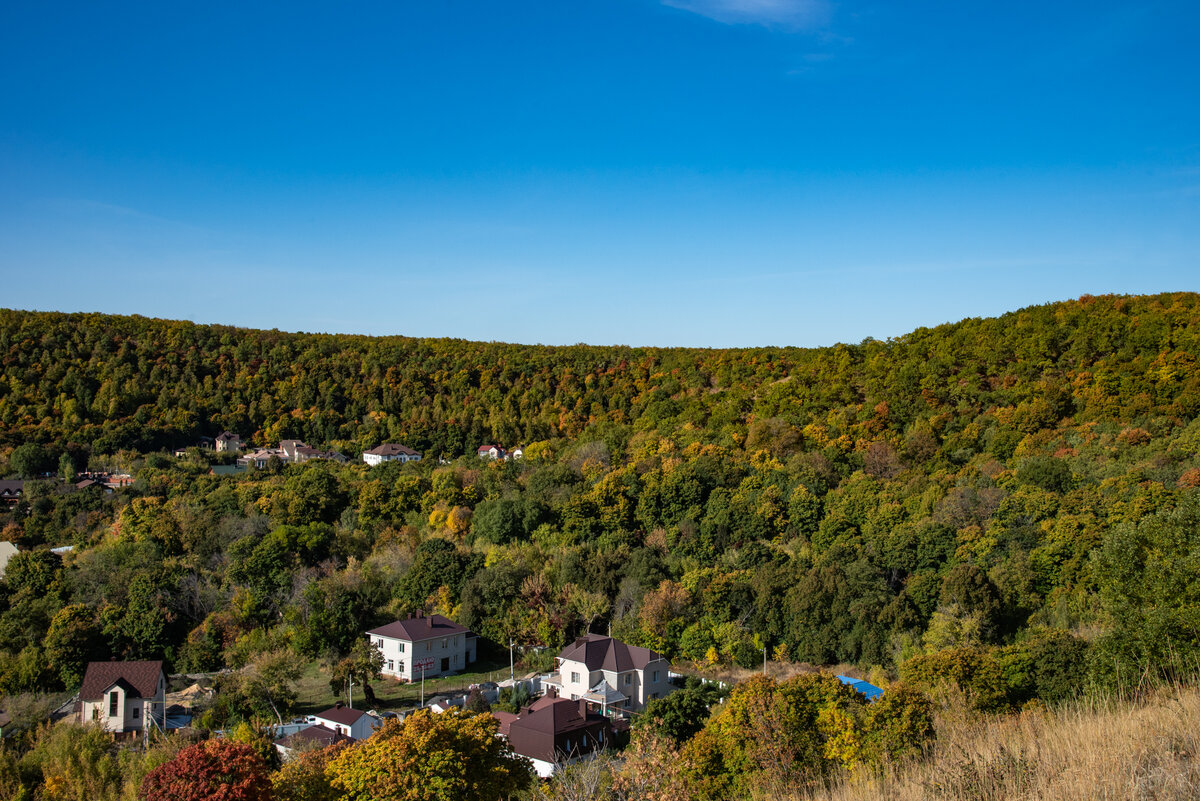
<point x="121" y="695"/>
<point x="610" y="675"/>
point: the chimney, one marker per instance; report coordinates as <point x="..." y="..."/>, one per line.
<point x="583" y="710"/>
<point x="553" y="692"/>
<point x="338" y="705"/>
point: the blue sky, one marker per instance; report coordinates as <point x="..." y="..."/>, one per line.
<point x="690" y="172"/>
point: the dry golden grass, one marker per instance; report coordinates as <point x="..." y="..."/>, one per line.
<point x="1092" y="750"/>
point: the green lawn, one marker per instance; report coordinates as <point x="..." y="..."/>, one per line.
<point x="313" y="694"/>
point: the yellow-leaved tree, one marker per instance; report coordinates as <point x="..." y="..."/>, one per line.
<point x="431" y="757"/>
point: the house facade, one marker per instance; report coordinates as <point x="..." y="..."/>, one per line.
<point x="389" y="452"/>
<point x="429" y="645"/>
<point x="291" y="451"/>
<point x="610" y="675"/>
<point x="120" y="695"/>
<point x="554" y="731"/>
<point x="492" y="452"/>
<point x="227" y="441"/>
<point x="11" y="491"/>
<point x="353" y="723"/>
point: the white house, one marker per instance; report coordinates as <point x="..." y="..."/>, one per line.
<point x="609" y="674"/>
<point x="424" y="645"/>
<point x="353" y="723"/>
<point x="120" y="695"/>
<point x="227" y="441"/>
<point x="492" y="452"/>
<point x="389" y="452"/>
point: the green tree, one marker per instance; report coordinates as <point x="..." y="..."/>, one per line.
<point x="72" y="641"/>
<point x="679" y="715"/>
<point x="76" y="763"/>
<point x="30" y="460"/>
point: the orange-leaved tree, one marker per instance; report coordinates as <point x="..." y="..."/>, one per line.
<point x="214" y="770"/>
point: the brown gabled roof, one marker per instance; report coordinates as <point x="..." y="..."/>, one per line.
<point x="138" y="679"/>
<point x="341" y="714"/>
<point x="391" y="449"/>
<point x="537" y="731"/>
<point x="506" y="719"/>
<point x="599" y="652"/>
<point x="315" y="735"/>
<point x="420" y="628"/>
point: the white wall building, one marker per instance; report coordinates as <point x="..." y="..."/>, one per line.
<point x="433" y="644"/>
<point x="353" y="723"/>
<point x="389" y="452"/>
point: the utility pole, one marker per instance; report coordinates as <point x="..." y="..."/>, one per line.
<point x="422" y="684"/>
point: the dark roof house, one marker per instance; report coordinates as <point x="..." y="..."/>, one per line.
<point x="315" y="736"/>
<point x="552" y="731"/>
<point x="599" y="652"/>
<point x="10" y="491"/>
<point x="122" y="696"/>
<point x="140" y="679"/>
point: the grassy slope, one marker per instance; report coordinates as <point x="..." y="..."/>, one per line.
<point x="1089" y="750"/>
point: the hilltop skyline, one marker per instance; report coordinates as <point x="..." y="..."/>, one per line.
<point x="696" y="172"/>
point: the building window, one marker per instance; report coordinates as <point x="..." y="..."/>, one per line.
<point x="656" y="675"/>
<point x="379" y="644"/>
<point x="96" y="712"/>
<point x="390" y="665"/>
<point x="444" y="642"/>
<point x="400" y="666"/>
<point x="135" y="711"/>
<point x="628" y="679"/>
<point x="429" y="645"/>
<point x="112" y="704"/>
<point x="400" y="647"/>
<point x="574" y="677"/>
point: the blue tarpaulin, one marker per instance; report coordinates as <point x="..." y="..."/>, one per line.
<point x="865" y="687"/>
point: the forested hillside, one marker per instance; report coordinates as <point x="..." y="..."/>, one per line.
<point x="1009" y="502"/>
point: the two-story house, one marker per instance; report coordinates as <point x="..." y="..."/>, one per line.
<point x="390" y="452"/>
<point x="424" y="645"/>
<point x="229" y="442"/>
<point x="120" y="695"/>
<point x="609" y="674"/>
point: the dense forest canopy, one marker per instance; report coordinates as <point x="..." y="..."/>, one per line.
<point x="131" y="382"/>
<point x="1007" y="502"/>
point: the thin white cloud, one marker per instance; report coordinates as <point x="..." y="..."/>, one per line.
<point x="788" y="14"/>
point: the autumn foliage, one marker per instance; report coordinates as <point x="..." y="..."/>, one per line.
<point x="428" y="757"/>
<point x="213" y="770"/>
